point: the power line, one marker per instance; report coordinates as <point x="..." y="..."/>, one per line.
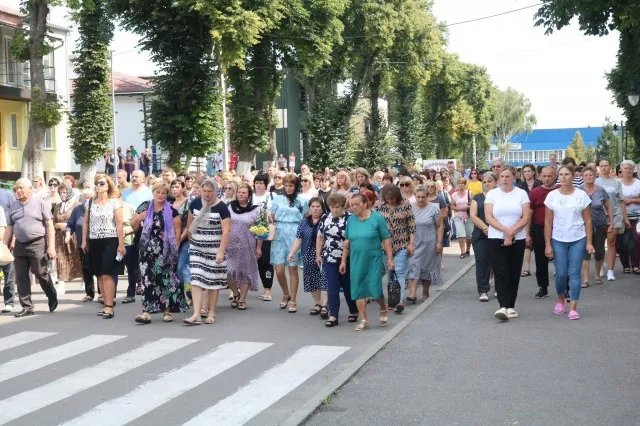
<point x="494" y="16"/>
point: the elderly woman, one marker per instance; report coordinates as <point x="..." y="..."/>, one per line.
<point x="287" y="212"/>
<point x="312" y="278"/>
<point x="67" y="263"/>
<point x="366" y="231"/>
<point x="159" y="241"/>
<point x="209" y="227"/>
<point x="398" y="214"/>
<point x="329" y="255"/>
<point x="479" y="238"/>
<point x="424" y="265"/>
<point x="631" y="196"/>
<point x="243" y="250"/>
<point x="73" y="238"/>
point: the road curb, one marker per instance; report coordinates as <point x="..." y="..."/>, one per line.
<point x="303" y="413"/>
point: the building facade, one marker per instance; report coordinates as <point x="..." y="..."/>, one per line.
<point x="537" y="146"/>
<point x="15" y="96"/>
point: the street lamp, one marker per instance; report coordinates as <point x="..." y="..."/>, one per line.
<point x="633" y="95"/>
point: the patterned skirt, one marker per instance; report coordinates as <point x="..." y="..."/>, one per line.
<point x="205" y="272"/>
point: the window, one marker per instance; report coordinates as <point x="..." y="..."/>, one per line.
<point x="49" y="72"/>
<point x="13" y="126"/>
<point x="48" y="139"/>
<point x="9" y="62"/>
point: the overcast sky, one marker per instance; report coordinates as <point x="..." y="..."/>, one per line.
<point x="563" y="74"/>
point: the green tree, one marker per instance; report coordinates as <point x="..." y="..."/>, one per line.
<point x="590" y="154"/>
<point x="608" y="144"/>
<point x="90" y="127"/>
<point x="513" y="116"/>
<point x="577" y="149"/>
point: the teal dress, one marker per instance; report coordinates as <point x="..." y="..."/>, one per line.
<point x="365" y="255"/>
<point x="287" y="218"/>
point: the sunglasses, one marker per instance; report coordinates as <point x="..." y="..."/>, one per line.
<point x="278" y="177"/>
<point x="405" y="184"/>
<point x="53" y="184"/>
<point x="100" y="183"/>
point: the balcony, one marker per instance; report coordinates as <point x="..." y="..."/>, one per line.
<point x="15" y="80"/>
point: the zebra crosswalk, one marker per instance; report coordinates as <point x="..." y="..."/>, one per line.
<point x="255" y="396"/>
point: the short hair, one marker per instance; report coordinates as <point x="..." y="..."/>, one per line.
<point x="627" y="163"/>
<point x="589" y="169"/>
<point x="421" y="188"/>
<point x="177" y="182"/>
<point x="492" y="175"/>
<point x="531" y="166"/>
<point x="604" y="159"/>
<point x="568" y="167"/>
<point x="568" y="160"/>
<point x="462" y="180"/>
<point x="336" y="199"/>
<point x="24" y="182"/>
<point x="168" y="170"/>
<point x="391" y="191"/>
<point x="261" y="177"/>
<point x="388" y="177"/>
<point x="161" y="185"/>
<point x="510" y="168"/>
<point x="71" y="178"/>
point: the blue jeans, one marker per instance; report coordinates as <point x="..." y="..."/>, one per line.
<point x="567" y="259"/>
<point x="184" y="275"/>
<point x="335" y="280"/>
<point x="400" y="259"/>
<point x="9" y="287"/>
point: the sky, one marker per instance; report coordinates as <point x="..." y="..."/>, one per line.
<point x="562" y="74"/>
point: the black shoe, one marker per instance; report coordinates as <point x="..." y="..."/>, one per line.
<point x="128" y="300"/>
<point x="542" y="293"/>
<point x="399" y="308"/>
<point x="53" y="304"/>
<point x="24" y="313"/>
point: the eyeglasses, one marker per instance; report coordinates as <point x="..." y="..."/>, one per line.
<point x="53" y="184"/>
<point x="405" y="184"/>
<point x="496" y="167"/>
<point x="278" y="177"/>
<point x="228" y="188"/>
<point x="100" y="183"/>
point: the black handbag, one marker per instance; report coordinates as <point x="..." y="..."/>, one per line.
<point x="393" y="289"/>
<point x="626" y="243"/>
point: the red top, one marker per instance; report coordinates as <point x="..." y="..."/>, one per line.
<point x="536" y="200"/>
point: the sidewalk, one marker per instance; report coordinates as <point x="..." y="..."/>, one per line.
<point x="456" y="364"/>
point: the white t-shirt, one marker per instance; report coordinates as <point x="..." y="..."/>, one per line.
<point x="632" y="191"/>
<point x="507" y="209"/>
<point x="568" y="225"/>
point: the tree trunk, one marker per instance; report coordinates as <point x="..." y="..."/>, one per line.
<point x="352" y="99"/>
<point x="374" y="95"/>
<point x="174" y="160"/>
<point x="244" y="166"/>
<point x="32" y="156"/>
<point x="87" y="172"/>
<point x="273" y="147"/>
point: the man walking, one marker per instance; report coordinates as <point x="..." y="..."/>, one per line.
<point x="29" y="220"/>
<point x="535" y="228"/>
<point x="9" y="292"/>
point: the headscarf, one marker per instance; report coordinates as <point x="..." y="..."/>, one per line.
<point x="206" y="206"/>
<point x="71" y="198"/>
<point x="169" y="243"/>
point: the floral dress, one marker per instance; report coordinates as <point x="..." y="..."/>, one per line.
<point x="312" y="277"/>
<point x="159" y="283"/>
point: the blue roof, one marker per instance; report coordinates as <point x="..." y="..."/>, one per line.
<point x="556" y="139"/>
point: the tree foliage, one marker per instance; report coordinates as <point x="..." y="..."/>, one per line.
<point x="609" y="144"/>
<point x="577" y="149"/>
<point x="90" y="128"/>
<point x="513" y="116"/>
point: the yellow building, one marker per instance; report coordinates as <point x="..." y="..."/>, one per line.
<point x="15" y="95"/>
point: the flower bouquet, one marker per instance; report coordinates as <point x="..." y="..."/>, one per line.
<point x="260" y="228"/>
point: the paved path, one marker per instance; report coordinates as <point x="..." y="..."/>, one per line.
<point x="255" y="367"/>
<point x="457" y="365"/>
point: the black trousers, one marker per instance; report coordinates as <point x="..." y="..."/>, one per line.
<point x="506" y="262"/>
<point x="32" y="257"/>
<point x="542" y="262"/>
<point x="481" y="252"/>
<point x="87" y="276"/>
<point x="264" y="265"/>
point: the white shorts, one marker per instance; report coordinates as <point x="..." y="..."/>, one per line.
<point x="463" y="229"/>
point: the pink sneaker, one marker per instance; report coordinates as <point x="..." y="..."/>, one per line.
<point x="574" y="315"/>
<point x="558" y="309"/>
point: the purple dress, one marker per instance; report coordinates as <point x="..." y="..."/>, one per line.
<point x="242" y="264"/>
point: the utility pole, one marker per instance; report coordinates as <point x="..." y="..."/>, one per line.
<point x="225" y="127"/>
<point x="474" y="152"/>
<point x="113" y="114"/>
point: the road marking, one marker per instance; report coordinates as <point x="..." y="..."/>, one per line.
<point x="153" y="394"/>
<point x="273" y="384"/>
<point x="35" y="399"/>
<point x="22" y="338"/>
<point x="16" y="367"/>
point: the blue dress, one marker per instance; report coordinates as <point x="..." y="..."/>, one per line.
<point x="312" y="277"/>
<point x="287" y="220"/>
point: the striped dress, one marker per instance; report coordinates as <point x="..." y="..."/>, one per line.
<point x="204" y="245"/>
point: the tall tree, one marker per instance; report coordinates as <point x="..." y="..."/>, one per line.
<point x="90" y="127"/>
<point x="513" y="116"/>
<point x="30" y="44"/>
<point x="609" y="144"/>
<point x="577" y="149"/>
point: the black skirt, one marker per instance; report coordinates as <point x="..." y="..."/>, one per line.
<point x="102" y="257"/>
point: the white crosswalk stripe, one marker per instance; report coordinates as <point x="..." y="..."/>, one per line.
<point x="33" y="362"/>
<point x="27" y="402"/>
<point x="20" y="339"/>
<point x="269" y="388"/>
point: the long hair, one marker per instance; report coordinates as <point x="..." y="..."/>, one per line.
<point x="293" y="180"/>
<point x="206" y="205"/>
<point x="347" y="181"/>
<point x="110" y="186"/>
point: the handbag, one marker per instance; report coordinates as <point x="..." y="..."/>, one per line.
<point x="393" y="289"/>
<point x="625" y="243"/>
<point x="5" y="254"/>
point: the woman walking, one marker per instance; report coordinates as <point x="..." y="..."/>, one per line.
<point x="243" y="250"/>
<point x="67" y="262"/>
<point x="601" y="220"/>
<point x="287" y="212"/>
<point x="263" y="199"/>
<point x="181" y="205"/>
<point x="366" y="231"/>
<point x="209" y="225"/>
<point x="567" y="233"/>
<point x="479" y="238"/>
<point x="312" y="279"/>
<point x="103" y="239"/>
<point x="397" y="212"/>
<point x="424" y="265"/>
<point x="159" y="252"/>
<point x="329" y="245"/>
<point x="631" y="195"/>
<point x="507" y="212"/>
<point x="407" y="188"/>
<point x="460" y="201"/>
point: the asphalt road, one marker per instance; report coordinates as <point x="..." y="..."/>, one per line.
<point x="255" y="367"/>
<point x="457" y="365"/>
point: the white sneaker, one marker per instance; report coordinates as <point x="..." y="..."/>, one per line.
<point x="60" y="287"/>
<point x="610" y="276"/>
<point x="495" y="294"/>
<point x="483" y="297"/>
<point x="501" y="314"/>
<point x="511" y="313"/>
<point x="603" y="271"/>
<point x="7" y="308"/>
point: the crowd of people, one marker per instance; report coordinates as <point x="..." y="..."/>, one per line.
<point x="184" y="238"/>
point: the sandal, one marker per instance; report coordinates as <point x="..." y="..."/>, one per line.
<point x="242" y="306"/>
<point x="166" y="317"/>
<point x="210" y="319"/>
<point x="324" y="312"/>
<point x="316" y="310"/>
<point x="204" y="313"/>
<point x="363" y="325"/>
<point x="331" y="322"/>
<point x="384" y="318"/>
<point x="525" y="274"/>
<point x="234" y="302"/>
<point x="100" y="313"/>
<point x="462" y="255"/>
<point x="266" y="298"/>
<point x="285" y="301"/>
<point x="352" y="318"/>
<point x="585" y="284"/>
<point x="597" y="281"/>
<point x="108" y="315"/>
<point x="189" y="321"/>
<point x="636" y="271"/>
<point x="293" y="308"/>
<point x="143" y="318"/>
